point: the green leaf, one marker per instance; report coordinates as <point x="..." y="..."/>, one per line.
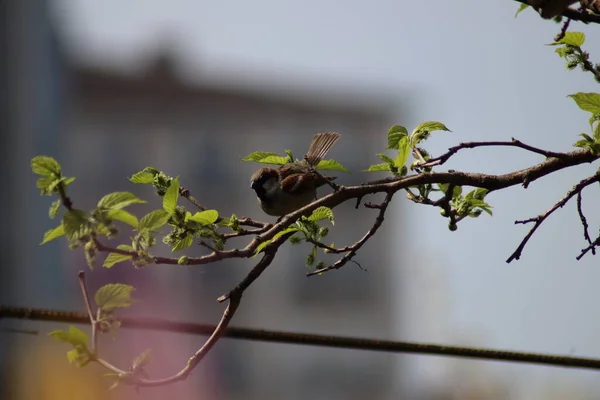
<point x="587" y="137"/>
<point x="184" y="243"/>
<point x="44" y="183"/>
<point x="206" y="217"/>
<point x="118" y="200"/>
<point x="479" y="193"/>
<point x="154" y="220"/>
<point x="49" y="184"/>
<point x="562" y="51"/>
<point x="114" y="258"/>
<point x="456" y="192"/>
<point x="142" y="360"/>
<point x="276" y="160"/>
<point x="403" y="152"/>
<point x="72" y="355"/>
<point x="114" y="295"/>
<point x="572" y="39"/>
<point x="487" y="210"/>
<point x="73" y="336"/>
<point x="331" y="165"/>
<point x="478" y="203"/>
<point x="258" y="155"/>
<point x="396" y="133"/>
<point x="385" y="158"/>
<point x="521" y="8"/>
<point x="53" y="234"/>
<point x="264" y="244"/>
<point x="311" y="257"/>
<point x="422" y="131"/>
<point x="432" y="126"/>
<point x="45" y="166"/>
<point x="378" y="167"/>
<point x="582" y="144"/>
<point x="75" y="224"/>
<point x="229" y="222"/>
<point x="290" y="156"/>
<point x="321" y="213"/>
<point x="54" y="208"/>
<point x="476" y="196"/>
<point x="587" y="101"/>
<point x="595" y="148"/>
<point x="123" y="216"/>
<point x="261" y="246"/>
<point x="142" y="177"/>
<point x="171" y="196"/>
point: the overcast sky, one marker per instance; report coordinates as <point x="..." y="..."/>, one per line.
<point x="471" y="65"/>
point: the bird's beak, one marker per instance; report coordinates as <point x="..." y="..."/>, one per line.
<point x="253" y="184"/>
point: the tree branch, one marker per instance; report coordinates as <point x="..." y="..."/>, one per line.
<point x="571" y="13"/>
<point x="584" y="224"/>
<point x="185" y="193"/>
<point x="356" y="246"/>
<point x="542" y="217"/>
<point x="554" y="162"/>
<point x="471" y="145"/>
<point x="88" y="307"/>
<point x="218" y="332"/>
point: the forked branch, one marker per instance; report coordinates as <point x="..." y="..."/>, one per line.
<point x="542" y="217"/>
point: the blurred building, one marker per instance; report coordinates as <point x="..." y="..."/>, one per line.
<point x="105" y="124"/>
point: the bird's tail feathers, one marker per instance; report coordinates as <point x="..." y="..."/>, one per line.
<point x="319" y="146"/>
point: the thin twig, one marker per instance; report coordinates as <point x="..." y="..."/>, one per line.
<point x="591" y="247"/>
<point x="88" y="307"/>
<point x="588" y="66"/>
<point x="246" y="232"/>
<point x="563" y="30"/>
<point x="64" y="199"/>
<point x="573" y="14"/>
<point x="218" y="332"/>
<point x="208" y="246"/>
<point x="185" y="193"/>
<point x="584" y="224"/>
<point x="471" y="145"/>
<point x="356" y="246"/>
<point x="329" y="249"/>
<point x="269" y="254"/>
<point x="542" y="217"/>
<point x="310" y="339"/>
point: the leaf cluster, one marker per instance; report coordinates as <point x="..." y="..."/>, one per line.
<point x="309" y="229"/>
<point x="263" y="157"/>
<point x="589" y="102"/>
<point x="399" y="139"/>
<point x="569" y="48"/>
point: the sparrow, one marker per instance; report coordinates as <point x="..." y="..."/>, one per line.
<point x="283" y="190"/>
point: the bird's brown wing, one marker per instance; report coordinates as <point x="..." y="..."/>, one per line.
<point x="299" y="183"/>
<point x="319" y="146"/>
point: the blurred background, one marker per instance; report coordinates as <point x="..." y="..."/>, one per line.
<point x="190" y="87"/>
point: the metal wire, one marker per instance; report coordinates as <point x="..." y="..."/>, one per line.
<point x="309" y="339"/>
